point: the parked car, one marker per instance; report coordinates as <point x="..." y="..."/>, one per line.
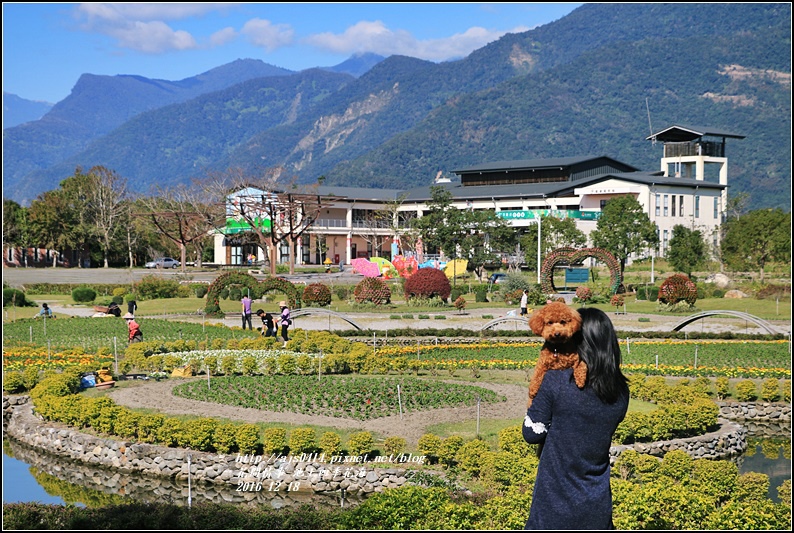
<point x="163" y="262"/>
<point x="499" y="277"/>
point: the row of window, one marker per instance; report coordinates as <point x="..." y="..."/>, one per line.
<point x="666" y="206"/>
<point x="663" y="244"/>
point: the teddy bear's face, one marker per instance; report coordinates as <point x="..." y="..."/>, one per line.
<point x="555" y="322"/>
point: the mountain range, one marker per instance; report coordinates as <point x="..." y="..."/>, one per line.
<point x="596" y="82"/>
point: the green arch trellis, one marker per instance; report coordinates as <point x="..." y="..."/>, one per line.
<point x="212" y="308"/>
<point x="574" y="255"/>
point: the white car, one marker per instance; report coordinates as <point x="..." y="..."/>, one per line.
<point x="165" y="262"/>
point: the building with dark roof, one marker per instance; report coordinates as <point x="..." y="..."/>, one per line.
<point x="690" y="189"/>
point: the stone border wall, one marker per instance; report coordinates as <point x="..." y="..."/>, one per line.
<point x="314" y="474"/>
<point x="357" y="476"/>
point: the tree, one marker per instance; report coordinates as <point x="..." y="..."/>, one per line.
<point x="555" y="233"/>
<point x="16" y="230"/>
<point x="623" y="229"/>
<point x="181" y="215"/>
<point x="106" y="200"/>
<point x="48" y="220"/>
<point x="274" y="213"/>
<point x="687" y="250"/>
<point x="757" y="238"/>
<point x="459" y="233"/>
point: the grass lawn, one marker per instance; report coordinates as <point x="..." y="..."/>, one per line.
<point x="765" y="309"/>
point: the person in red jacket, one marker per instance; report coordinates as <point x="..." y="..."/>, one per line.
<point x="135" y="334"/>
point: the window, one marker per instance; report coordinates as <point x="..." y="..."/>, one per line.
<point x="697" y="206"/>
<point x="673" y="206"/>
<point x="664" y="243"/>
<point x="603" y="203"/>
<point x="236" y="256"/>
<point x="658" y="205"/>
<point x="681" y="205"/>
<point x="665" y="204"/>
<point x="716" y="207"/>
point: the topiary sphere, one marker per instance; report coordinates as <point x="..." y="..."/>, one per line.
<point x="317" y="294"/>
<point x="372" y="290"/>
<point x="427" y="283"/>
<point x="678" y="288"/>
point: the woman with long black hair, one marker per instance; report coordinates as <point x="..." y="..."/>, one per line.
<point x="576" y="426"/>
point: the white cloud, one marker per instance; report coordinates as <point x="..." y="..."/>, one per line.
<point x="142" y="27"/>
<point x="267" y="35"/>
<point x="224" y="36"/>
<point x="151" y="37"/>
<point x="375" y="37"/>
<point x="148" y="12"/>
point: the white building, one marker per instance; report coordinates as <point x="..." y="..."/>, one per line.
<point x="690" y="190"/>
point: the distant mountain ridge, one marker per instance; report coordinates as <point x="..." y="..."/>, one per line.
<point x="96" y="106"/>
<point x="576" y="86"/>
<point x="18" y="110"/>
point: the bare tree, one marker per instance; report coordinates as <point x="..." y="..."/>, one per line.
<point x="274" y="213"/>
<point x="106" y="198"/>
<point x="181" y="215"/>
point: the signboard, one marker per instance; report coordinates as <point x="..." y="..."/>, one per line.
<point x="514" y="214"/>
<point x="238" y="226"/>
<point x="576" y="275"/>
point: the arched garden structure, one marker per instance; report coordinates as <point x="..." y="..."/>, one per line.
<point x="572" y="256"/>
<point x="258" y="288"/>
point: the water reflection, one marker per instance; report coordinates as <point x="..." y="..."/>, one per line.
<point x="66" y="481"/>
<point x="77" y="482"/>
<point x="768" y="452"/>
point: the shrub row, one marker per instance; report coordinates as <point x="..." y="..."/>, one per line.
<point x="55" y="399"/>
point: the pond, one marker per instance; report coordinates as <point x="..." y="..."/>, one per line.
<point x="33" y="476"/>
<point x="30" y="475"/>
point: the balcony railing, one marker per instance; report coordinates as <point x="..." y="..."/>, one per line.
<point x="342" y="223"/>
<point x="686" y="149"/>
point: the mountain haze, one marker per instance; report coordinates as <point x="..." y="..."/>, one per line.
<point x="96" y="106"/>
<point x="587" y="84"/>
<point x="17" y="110"/>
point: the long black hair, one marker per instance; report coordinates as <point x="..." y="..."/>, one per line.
<point x="600" y="350"/>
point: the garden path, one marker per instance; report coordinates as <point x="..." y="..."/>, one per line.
<point x="158" y="396"/>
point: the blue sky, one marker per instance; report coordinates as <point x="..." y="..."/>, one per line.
<point x="47" y="46"/>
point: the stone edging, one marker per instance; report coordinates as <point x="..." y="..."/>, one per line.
<point x="248" y="473"/>
<point x="311" y="473"/>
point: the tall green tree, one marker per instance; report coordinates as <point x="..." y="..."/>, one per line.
<point x="757" y="238"/>
<point x="687" y="250"/>
<point x="624" y="228"/>
<point x="554" y="233"/>
<point x="48" y="217"/>
<point x="15" y="231"/>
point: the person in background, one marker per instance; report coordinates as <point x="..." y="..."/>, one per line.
<point x="114" y="309"/>
<point x="134" y="329"/>
<point x="45" y="312"/>
<point x="268" y="325"/>
<point x="524" y="298"/>
<point x="572" y="489"/>
<point x="285" y="321"/>
<point x="132" y="306"/>
<point x="246" y="301"/>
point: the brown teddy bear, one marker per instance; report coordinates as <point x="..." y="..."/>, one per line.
<point x="559" y="325"/>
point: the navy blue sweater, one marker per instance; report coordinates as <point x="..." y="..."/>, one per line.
<point x="572" y="488"/>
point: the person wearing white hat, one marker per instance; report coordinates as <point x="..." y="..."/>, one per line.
<point x="135" y="334"/>
<point x="286" y="321"/>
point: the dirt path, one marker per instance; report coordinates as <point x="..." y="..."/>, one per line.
<point x="158" y="396"/>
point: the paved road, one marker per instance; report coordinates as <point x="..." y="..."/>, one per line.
<point x="18" y="277"/>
